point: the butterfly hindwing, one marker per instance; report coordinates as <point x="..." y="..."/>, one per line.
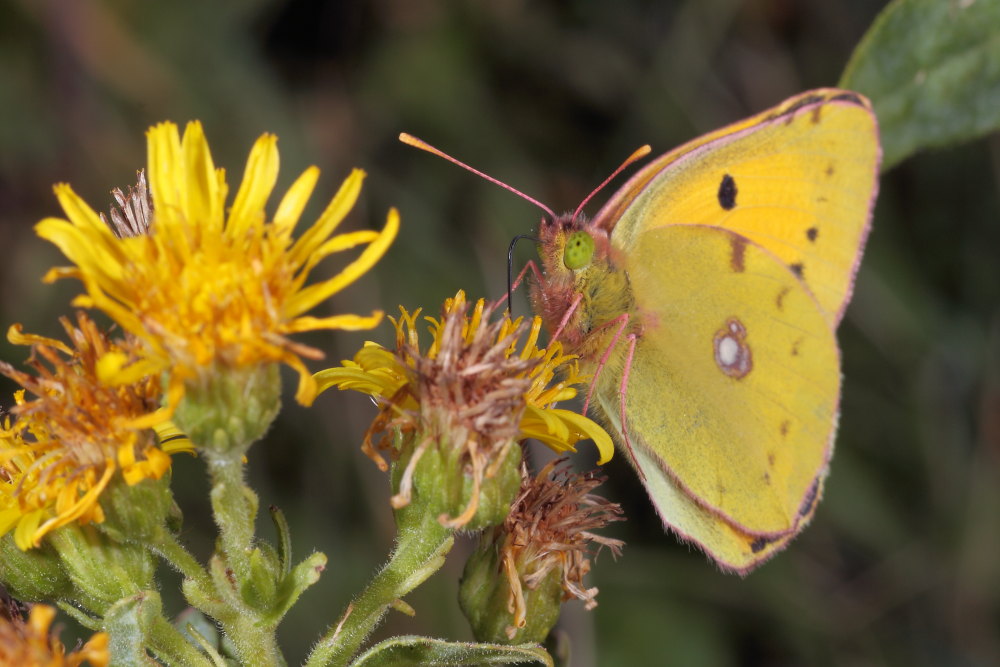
<point x="734" y="385"/>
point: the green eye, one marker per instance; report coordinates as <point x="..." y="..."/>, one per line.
<point x="579" y="250"/>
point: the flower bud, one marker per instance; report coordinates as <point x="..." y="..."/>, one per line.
<point x="229" y="409"/>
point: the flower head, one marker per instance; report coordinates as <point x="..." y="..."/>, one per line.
<point x="31" y="643"/>
<point x="213" y="285"/>
<point x="62" y="447"/>
<point x="524" y="569"/>
<point x="476" y="386"/>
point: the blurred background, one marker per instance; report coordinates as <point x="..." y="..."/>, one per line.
<point x="902" y="562"/>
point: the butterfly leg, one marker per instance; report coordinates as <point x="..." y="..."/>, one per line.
<point x="517" y="282"/>
<point x="622" y="321"/>
<point x="573" y="305"/>
<point x="632" y="338"/>
<point x="534" y="270"/>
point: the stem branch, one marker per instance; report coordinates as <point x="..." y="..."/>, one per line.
<point x="419" y="553"/>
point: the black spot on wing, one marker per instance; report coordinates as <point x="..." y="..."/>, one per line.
<point x="758" y="544"/>
<point x="803" y="101"/>
<point x="850" y="97"/>
<point x="810" y="499"/>
<point x="812" y="233"/>
<point x="727" y="193"/>
<point x="779" y="300"/>
<point x="797" y="268"/>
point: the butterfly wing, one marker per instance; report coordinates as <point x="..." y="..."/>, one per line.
<point x="730" y="548"/>
<point x="732" y="395"/>
<point x="799" y="180"/>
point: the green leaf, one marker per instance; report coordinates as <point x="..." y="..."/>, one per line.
<point x="932" y="70"/>
<point x="410" y="650"/>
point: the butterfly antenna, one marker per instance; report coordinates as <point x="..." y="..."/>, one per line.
<point x="411" y="140"/>
<point x="510" y="265"/>
<point x="639" y="153"/>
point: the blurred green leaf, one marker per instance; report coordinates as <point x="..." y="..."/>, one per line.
<point x="932" y="70"/>
<point x="405" y="651"/>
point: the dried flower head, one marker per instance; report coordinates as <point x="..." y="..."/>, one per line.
<point x="550" y="530"/>
<point x="134" y="212"/>
<point x="214" y="285"/>
<point x="60" y="449"/>
<point x="476" y="386"/>
<point x="31" y="643"/>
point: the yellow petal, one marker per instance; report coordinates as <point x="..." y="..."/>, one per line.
<point x="163" y="143"/>
<point x="201" y="186"/>
<point x="8" y="517"/>
<point x="258" y="181"/>
<point x="339" y="207"/>
<point x="16" y="335"/>
<point x="309" y="297"/>
<point x="344" y="322"/>
<point x="93" y="251"/>
<point x="24" y="534"/>
<point x="112" y="369"/>
<point x="78" y="211"/>
<point x="294" y="202"/>
<point x="588" y="428"/>
<point x="340" y="243"/>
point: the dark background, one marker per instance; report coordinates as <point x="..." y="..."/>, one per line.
<point x="902" y="562"/>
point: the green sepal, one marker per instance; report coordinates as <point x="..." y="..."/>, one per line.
<point x="201" y="631"/>
<point x="259" y="589"/>
<point x="407" y="651"/>
<point x="442" y="488"/>
<point x="231" y="409"/>
<point x="33" y="575"/>
<point x="101" y="571"/>
<point x="284" y="539"/>
<point x="301" y="577"/>
<point x="137" y="513"/>
<point x="497" y="493"/>
<point x="128" y="622"/>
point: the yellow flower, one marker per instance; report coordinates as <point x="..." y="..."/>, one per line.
<point x="31" y="644"/>
<point x="475" y="378"/>
<point x="213" y="285"/>
<point x="64" y="446"/>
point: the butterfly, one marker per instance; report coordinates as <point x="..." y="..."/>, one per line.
<point x="704" y="298"/>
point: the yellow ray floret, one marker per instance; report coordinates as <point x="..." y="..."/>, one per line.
<point x="547" y="376"/>
<point x="207" y="289"/>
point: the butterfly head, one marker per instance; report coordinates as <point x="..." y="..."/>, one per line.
<point x="575" y="259"/>
<point x="568" y="245"/>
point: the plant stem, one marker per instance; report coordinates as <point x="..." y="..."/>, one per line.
<point x="420" y="551"/>
<point x="234" y="508"/>
<point x="179" y="558"/>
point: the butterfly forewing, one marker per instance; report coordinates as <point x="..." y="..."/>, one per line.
<point x="799" y="180"/>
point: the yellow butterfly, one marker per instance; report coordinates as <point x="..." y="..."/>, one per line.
<point x="704" y="296"/>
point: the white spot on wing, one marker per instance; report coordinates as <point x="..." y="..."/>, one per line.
<point x="732" y="352"/>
